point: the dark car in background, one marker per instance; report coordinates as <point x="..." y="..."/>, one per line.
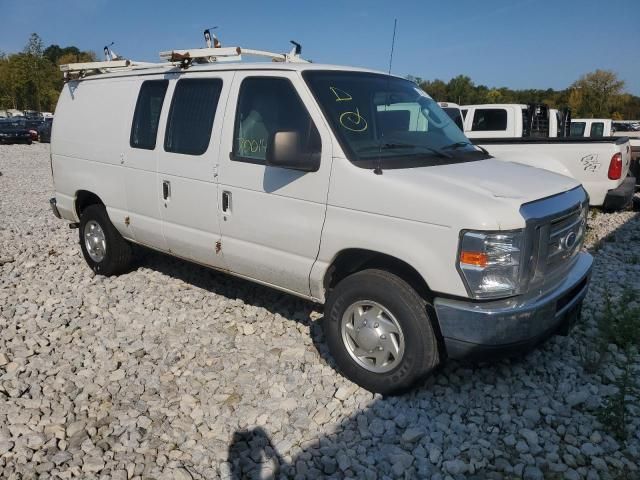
<point x="44" y="130"/>
<point x="14" y="130"/>
<point x="33" y="124"/>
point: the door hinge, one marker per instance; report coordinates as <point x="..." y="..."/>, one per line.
<point x="218" y="246"/>
<point x="215" y="171"/>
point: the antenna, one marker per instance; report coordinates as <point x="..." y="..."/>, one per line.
<point x="393" y="43"/>
<point x="378" y="169"/>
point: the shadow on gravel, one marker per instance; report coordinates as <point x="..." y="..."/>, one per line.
<point x="256" y="295"/>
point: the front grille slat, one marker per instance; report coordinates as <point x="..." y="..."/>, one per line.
<point x="559" y="230"/>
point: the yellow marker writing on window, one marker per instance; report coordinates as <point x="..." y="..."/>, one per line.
<point x="353" y="121"/>
<point x="341" y="95"/>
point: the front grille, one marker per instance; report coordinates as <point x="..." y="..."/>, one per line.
<point x="556" y="228"/>
<point x="565" y="238"/>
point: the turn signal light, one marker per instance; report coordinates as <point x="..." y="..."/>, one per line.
<point x="615" y="167"/>
<point x="478" y="259"/>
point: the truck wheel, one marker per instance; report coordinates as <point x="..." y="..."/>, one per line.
<point x="103" y="248"/>
<point x="379" y="332"/>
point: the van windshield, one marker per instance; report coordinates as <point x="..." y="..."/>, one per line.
<point x="389" y="122"/>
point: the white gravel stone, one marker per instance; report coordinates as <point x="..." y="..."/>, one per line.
<point x="165" y="370"/>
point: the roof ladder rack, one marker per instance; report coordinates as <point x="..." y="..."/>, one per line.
<point x="208" y="55"/>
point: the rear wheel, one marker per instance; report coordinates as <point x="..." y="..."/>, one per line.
<point x="103" y="248"/>
<point x="379" y="332"/>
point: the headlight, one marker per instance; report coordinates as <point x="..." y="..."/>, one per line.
<point x="489" y="263"/>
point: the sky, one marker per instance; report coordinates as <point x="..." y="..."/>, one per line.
<point x="512" y="43"/>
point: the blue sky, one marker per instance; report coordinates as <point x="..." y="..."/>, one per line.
<point x="513" y="43"/>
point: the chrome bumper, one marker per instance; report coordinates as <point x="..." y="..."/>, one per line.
<point x="496" y="328"/>
<point x="54" y="207"/>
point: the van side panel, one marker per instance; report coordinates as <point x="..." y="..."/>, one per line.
<point x="93" y="119"/>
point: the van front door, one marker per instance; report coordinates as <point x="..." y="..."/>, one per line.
<point x="186" y="183"/>
<point x="272" y="217"/>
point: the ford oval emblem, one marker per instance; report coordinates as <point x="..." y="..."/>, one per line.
<point x="569" y="241"/>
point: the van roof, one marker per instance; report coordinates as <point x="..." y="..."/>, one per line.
<point x="135" y="71"/>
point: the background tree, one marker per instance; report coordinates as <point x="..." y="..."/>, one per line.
<point x="596" y="94"/>
<point x="31" y="79"/>
<point x="600" y="91"/>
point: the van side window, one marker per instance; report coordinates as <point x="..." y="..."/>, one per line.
<point x="190" y="121"/>
<point x="144" y="128"/>
<point x="488" y="119"/>
<point x="597" y="129"/>
<point x="266" y="106"/>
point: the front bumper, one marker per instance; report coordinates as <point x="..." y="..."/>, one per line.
<point x="620" y="197"/>
<point x="505" y="327"/>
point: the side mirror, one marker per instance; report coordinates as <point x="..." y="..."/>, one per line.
<point x="285" y="151"/>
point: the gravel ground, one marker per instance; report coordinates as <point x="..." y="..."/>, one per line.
<point x="174" y="371"/>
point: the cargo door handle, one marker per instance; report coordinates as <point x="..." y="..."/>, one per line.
<point x="226" y="202"/>
<point x="166" y="189"/>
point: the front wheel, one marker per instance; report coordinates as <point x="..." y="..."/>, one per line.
<point x="103" y="248"/>
<point x="379" y="332"/>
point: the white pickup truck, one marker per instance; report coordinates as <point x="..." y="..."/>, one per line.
<point x="604" y="127"/>
<point x="516" y="133"/>
<point x="345" y="186"/>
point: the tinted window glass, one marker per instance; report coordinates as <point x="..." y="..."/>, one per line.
<point x="267" y="106"/>
<point x="485" y="119"/>
<point x="455" y="115"/>
<point x="597" y="129"/>
<point x="577" y="129"/>
<point x="147" y="115"/>
<point x="190" y="121"/>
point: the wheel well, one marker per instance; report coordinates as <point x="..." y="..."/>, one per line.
<point x="354" y="259"/>
<point x="85" y="198"/>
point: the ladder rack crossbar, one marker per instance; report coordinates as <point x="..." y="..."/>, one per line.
<point x="80" y="67"/>
<point x="178" y="58"/>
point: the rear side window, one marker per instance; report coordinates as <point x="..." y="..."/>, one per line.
<point x="597" y="129"/>
<point x="577" y="129"/>
<point x="488" y="119"/>
<point x="190" y="121"/>
<point x="147" y="115"/>
<point x="455" y="115"/>
<point x="266" y="106"/>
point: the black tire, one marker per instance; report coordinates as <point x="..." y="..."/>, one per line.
<point x="118" y="255"/>
<point x="421" y="355"/>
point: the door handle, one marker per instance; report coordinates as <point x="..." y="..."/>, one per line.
<point x="226" y="201"/>
<point x="166" y="189"/>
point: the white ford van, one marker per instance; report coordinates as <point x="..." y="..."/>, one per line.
<point x="344" y="186"/>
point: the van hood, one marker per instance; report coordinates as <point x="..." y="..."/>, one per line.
<point x="484" y="194"/>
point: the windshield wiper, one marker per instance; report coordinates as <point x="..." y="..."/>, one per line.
<point x="386" y="146"/>
<point x="456" y="145"/>
<point x="393" y="146"/>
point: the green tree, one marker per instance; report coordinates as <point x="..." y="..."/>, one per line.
<point x="600" y="92"/>
<point x="460" y="90"/>
<point x="437" y="89"/>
